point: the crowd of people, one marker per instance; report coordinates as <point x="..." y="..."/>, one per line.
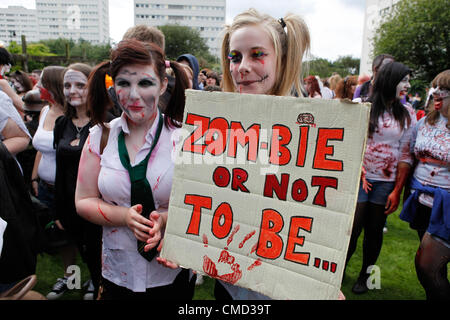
<point x="89" y="143"/>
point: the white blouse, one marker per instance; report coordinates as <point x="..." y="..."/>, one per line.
<point x="121" y="262"/>
<point x="43" y="142"/>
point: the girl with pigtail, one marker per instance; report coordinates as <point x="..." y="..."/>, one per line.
<point x="125" y="172"/>
<point x="261" y="55"/>
<point x="276" y="66"/>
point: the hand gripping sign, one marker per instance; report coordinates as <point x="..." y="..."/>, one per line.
<point x="264" y="191"/>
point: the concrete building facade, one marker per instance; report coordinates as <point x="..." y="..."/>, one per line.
<point x="52" y="19"/>
<point x="375" y="11"/>
<point x="75" y="19"/>
<point x="206" y="16"/>
<point x="16" y="21"/>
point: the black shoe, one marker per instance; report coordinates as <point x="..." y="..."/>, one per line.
<point x="58" y="289"/>
<point x="360" y="286"/>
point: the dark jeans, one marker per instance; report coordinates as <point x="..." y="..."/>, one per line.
<point x="181" y="289"/>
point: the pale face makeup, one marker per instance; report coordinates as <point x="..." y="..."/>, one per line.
<point x="75" y="87"/>
<point x="403" y="87"/>
<point x="441" y="99"/>
<point x="252" y="60"/>
<point x="17" y="85"/>
<point x="138" y="89"/>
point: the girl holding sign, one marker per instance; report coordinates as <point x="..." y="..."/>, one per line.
<point x="387" y="162"/>
<point x="124" y="184"/>
<point x="261" y="55"/>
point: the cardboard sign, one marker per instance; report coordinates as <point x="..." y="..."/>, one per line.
<point x="264" y="191"/>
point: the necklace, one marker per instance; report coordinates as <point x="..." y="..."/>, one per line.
<point x="78" y="131"/>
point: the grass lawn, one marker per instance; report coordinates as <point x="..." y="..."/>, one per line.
<point x="396" y="263"/>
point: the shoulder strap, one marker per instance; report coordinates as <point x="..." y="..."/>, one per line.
<point x="104" y="138"/>
<point x="60" y="124"/>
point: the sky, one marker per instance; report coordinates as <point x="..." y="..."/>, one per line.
<point x="336" y="26"/>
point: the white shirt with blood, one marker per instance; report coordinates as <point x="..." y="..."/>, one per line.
<point x="431" y="147"/>
<point x="121" y="262"/>
<point x="388" y="146"/>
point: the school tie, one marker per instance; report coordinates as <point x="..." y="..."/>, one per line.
<point x="141" y="192"/>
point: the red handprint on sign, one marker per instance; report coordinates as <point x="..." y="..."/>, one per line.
<point x="209" y="267"/>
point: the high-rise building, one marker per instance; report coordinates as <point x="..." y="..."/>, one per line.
<point x="75" y="19"/>
<point x="52" y="19"/>
<point x="375" y="11"/>
<point x="206" y="16"/>
<point x="16" y="21"/>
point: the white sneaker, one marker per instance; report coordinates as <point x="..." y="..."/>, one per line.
<point x="58" y="289"/>
<point x="89" y="295"/>
<point x="199" y="281"/>
<point x="385" y="229"/>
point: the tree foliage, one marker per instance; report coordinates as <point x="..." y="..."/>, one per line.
<point x="346" y="65"/>
<point x="81" y="48"/>
<point x="181" y="40"/>
<point x="63" y="47"/>
<point x="417" y="33"/>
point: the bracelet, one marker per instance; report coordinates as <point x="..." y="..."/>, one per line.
<point x="35" y="179"/>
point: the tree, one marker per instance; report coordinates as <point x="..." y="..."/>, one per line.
<point x="346" y="65"/>
<point x="14" y="47"/>
<point x="58" y="46"/>
<point x="181" y="40"/>
<point x="39" y="49"/>
<point x="417" y="33"/>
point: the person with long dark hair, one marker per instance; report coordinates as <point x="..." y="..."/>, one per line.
<point x="70" y="133"/>
<point x="125" y="173"/>
<point x="386" y="163"/>
<point x="43" y="174"/>
<point x="22" y="82"/>
<point x="427" y="209"/>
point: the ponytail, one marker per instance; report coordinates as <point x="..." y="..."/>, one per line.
<point x="291" y="41"/>
<point x="98" y="101"/>
<point x="297" y="45"/>
<point x="175" y="108"/>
